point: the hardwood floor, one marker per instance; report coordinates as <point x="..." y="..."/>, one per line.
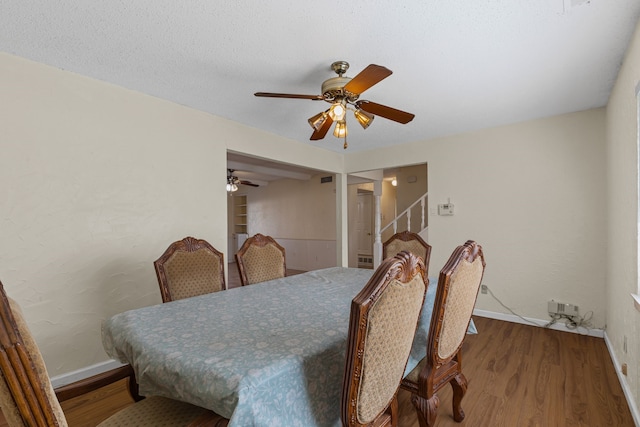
<point x="92" y="408"/>
<point x="522" y="375"/>
<point x="519" y="375"/>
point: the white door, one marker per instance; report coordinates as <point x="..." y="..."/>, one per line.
<point x="364" y="224"/>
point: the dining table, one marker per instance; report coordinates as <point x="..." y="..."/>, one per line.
<point x="267" y="354"/>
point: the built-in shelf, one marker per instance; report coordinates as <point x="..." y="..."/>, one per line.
<point x="240" y="213"/>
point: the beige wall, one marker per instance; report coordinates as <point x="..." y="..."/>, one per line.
<point x="533" y="195"/>
<point x="95" y="182"/>
<point x="387" y="208"/>
<point x="293" y="209"/>
<point x="622" y="191"/>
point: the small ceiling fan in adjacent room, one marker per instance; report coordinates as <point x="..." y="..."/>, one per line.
<point x="343" y="94"/>
<point x="233" y="182"/>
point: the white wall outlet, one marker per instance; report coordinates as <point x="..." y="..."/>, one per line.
<point x="556" y="307"/>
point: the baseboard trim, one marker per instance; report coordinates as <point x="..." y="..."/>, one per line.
<point x="623" y="383"/>
<point x="560" y="326"/>
<point x="84" y="373"/>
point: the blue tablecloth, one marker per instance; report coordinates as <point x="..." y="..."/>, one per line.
<point x="269" y="354"/>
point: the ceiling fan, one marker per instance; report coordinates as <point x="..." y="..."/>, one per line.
<point x="233" y="182"/>
<point x="343" y="94"/>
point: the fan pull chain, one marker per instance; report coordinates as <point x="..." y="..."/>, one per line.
<point x="345" y="141"/>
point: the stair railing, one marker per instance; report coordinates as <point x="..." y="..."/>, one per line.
<point x="407" y="212"/>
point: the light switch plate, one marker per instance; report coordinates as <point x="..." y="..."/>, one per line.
<point x="445" y="209"/>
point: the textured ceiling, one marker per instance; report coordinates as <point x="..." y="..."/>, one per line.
<point x="457" y="65"/>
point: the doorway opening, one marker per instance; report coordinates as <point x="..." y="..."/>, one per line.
<point x="401" y="203"/>
<point x="364" y="227"/>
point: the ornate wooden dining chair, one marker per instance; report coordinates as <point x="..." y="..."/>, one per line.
<point x="259" y="259"/>
<point x="383" y="322"/>
<point x="188" y="268"/>
<point x="28" y="399"/>
<point x="407" y="241"/>
<point x="456" y="295"/>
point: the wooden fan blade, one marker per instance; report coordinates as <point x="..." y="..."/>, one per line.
<point x="386" y="112"/>
<point x="367" y="78"/>
<point x="289" y="95"/>
<point x="249" y="183"/>
<point x="320" y="133"/>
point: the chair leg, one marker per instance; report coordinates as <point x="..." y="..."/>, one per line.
<point x="393" y="409"/>
<point x="459" y="385"/>
<point x="427" y="410"/>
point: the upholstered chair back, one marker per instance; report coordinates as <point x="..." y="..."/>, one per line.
<point x="260" y="259"/>
<point x="456" y="295"/>
<point x="384" y="318"/>
<point x="188" y="268"/>
<point x="458" y="285"/>
<point x="407" y="241"/>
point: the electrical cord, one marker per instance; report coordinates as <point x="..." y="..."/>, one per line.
<point x="576" y="322"/>
<point x="509" y="308"/>
<point x="573" y="322"/>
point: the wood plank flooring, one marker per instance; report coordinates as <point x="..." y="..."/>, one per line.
<point x="519" y="375"/>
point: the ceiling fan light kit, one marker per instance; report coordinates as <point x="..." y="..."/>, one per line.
<point x="363" y="118"/>
<point x="343" y="94"/>
<point x="338" y="111"/>
<point x="231" y="185"/>
<point x="318" y="120"/>
<point x="340" y="130"/>
<point x="233" y="182"/>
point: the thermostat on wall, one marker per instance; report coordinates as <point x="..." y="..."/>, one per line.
<point x="445" y="209"/>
